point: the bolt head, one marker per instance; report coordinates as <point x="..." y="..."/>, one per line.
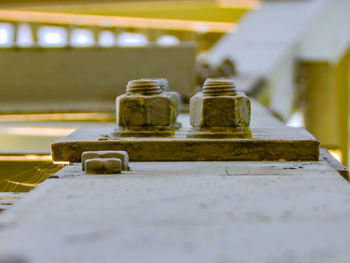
<point x="220" y="111"/>
<point x="122" y="155"/>
<point x="103" y="166"/>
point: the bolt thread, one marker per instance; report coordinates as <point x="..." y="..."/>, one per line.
<point x="143" y="87"/>
<point x="163" y="83"/>
<point x="219" y="87"/>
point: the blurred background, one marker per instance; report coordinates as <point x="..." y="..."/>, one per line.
<point x="62" y="63"/>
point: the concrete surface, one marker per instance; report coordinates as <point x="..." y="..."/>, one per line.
<point x="184" y="212"/>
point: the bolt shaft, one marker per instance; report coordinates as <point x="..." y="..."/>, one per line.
<point x="143" y="87"/>
<point x="219" y="87"/>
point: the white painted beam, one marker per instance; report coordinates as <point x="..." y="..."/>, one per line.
<point x="327" y="37"/>
<point x="273" y="37"/>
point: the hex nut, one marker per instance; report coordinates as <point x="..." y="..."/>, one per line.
<point x="226" y="111"/>
<point x="103" y="166"/>
<point x="220" y="106"/>
<point x="145" y="107"/>
<point x="174" y="95"/>
<point x="122" y="155"/>
<point x="139" y="112"/>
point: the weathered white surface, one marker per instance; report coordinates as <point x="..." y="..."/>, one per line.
<point x="273" y="37"/>
<point x="266" y="35"/>
<point x="327" y="37"/>
<point x="266" y="45"/>
<point x="312" y="30"/>
<point x="184" y="212"/>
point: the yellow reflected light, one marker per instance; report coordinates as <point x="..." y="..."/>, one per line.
<point x="114" y="21"/>
<point x="38" y="131"/>
<point x="337" y="154"/>
<point x="56" y="117"/>
<point x="29" y="157"/>
<point x="61" y="163"/>
<point x="249" y="4"/>
<point x="22" y="184"/>
<point x="9" y="198"/>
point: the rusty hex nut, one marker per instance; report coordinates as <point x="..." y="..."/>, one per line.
<point x="174" y="95"/>
<point x="145" y="107"/>
<point x="220" y="106"/>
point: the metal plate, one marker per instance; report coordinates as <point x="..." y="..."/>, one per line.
<point x="286" y="143"/>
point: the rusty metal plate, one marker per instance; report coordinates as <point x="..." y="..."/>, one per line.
<point x="292" y="144"/>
